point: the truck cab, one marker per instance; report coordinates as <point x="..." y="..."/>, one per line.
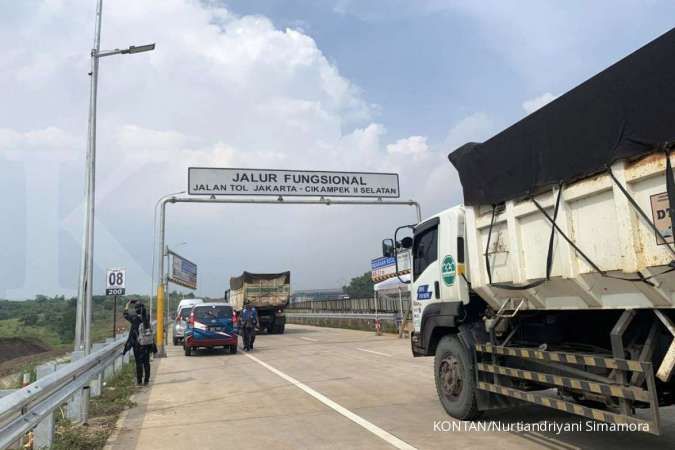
<point x="438" y="288"/>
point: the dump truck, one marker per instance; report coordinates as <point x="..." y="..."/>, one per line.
<point x="269" y="293"/>
<point x="554" y="282"/>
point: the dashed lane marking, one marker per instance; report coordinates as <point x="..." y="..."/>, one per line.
<point x="377" y="431"/>
<point x="373" y="351"/>
<point x="308" y="339"/>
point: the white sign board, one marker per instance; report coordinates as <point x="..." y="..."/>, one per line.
<point x="115" y="281"/>
<point x="404" y="261"/>
<point x="183" y="272"/>
<point x="307" y="183"/>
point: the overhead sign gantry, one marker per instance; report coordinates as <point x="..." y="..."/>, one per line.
<point x="232" y="185"/>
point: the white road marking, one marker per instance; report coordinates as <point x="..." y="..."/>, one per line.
<point x="308" y="339"/>
<point x="373" y="351"/>
<point x="377" y="431"/>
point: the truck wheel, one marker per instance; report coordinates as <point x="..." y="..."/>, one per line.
<point x="175" y="341"/>
<point x="188" y="350"/>
<point x="282" y="328"/>
<point x="455" y="379"/>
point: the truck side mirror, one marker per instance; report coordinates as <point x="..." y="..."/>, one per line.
<point x="407" y="242"/>
<point x="387" y="248"/>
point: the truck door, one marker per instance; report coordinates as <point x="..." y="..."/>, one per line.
<point x="451" y="256"/>
<point x="426" y="270"/>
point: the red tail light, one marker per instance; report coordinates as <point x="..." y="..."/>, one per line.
<point x="191" y="319"/>
<point x="234" y="317"/>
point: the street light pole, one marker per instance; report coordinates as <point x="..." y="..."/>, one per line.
<point x="85" y="285"/>
<point x="83" y="319"/>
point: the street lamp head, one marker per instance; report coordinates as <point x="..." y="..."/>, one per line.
<point x="139" y="49"/>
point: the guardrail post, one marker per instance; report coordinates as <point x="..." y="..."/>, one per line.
<point x="44" y="432"/>
<point x="118" y="362"/>
<point x="97" y="383"/>
<point x="74" y="410"/>
<point x="108" y="372"/>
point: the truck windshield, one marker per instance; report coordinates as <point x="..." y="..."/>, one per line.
<point x="213" y="312"/>
<point x="184" y="313"/>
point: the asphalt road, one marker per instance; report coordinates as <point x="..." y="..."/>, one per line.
<point x="329" y="388"/>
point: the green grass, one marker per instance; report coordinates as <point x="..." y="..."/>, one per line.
<point x="103" y="414"/>
<point x="100" y="330"/>
<point x="14" y="328"/>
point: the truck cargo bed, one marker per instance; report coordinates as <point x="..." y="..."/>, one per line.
<point x="597" y="217"/>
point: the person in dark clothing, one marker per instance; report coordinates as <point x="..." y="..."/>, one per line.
<point x="249" y="320"/>
<point x="136" y="314"/>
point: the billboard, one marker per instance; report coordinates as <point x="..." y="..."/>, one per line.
<point x="384" y="267"/>
<point x="298" y="183"/>
<point x="183" y="272"/>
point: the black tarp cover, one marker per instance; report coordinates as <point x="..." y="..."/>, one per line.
<point x="248" y="277"/>
<point x="623" y="112"/>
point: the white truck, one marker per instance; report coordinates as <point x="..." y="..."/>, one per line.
<point x="554" y="282"/>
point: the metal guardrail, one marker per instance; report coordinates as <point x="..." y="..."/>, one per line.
<point x="24" y="409"/>
<point x="345" y="315"/>
<point x="383" y="304"/>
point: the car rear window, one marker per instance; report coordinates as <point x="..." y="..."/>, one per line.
<point x="213" y="312"/>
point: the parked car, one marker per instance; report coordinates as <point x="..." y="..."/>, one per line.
<point x="181" y="323"/>
<point x="188" y="302"/>
<point x="210" y="325"/>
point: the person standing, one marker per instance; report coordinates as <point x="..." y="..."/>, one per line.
<point x="249" y="320"/>
<point x="140" y="339"/>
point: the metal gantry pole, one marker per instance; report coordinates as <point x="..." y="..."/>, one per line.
<point x="153" y="291"/>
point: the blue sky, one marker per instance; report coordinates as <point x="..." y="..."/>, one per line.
<point x="354" y="85"/>
<point x="427" y="64"/>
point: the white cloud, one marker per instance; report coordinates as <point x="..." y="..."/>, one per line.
<point x="476" y="127"/>
<point x="536" y="103"/>
<point x="47" y="139"/>
<point x="415" y="146"/>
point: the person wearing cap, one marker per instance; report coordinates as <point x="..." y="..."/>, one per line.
<point x="249" y="320"/>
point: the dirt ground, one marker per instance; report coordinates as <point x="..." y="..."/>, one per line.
<point x="16" y="353"/>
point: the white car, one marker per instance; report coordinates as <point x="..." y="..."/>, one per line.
<point x="182" y="314"/>
<point x="189" y="302"/>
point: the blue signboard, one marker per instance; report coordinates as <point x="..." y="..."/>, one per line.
<point x="383" y="261"/>
<point x="183" y="272"/>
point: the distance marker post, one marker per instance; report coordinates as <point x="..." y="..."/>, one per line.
<point x="115" y="280"/>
